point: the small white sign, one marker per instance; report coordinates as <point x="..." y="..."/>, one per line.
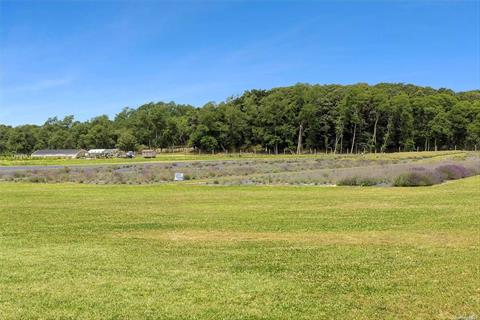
<point x="178" y="176"/>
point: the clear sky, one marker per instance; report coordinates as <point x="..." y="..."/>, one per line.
<point x="88" y="58"/>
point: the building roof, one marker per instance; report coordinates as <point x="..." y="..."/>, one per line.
<point x="100" y="151"/>
<point x="57" y="152"/>
<point x="96" y="150"/>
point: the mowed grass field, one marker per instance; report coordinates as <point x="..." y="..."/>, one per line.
<point x="71" y="251"/>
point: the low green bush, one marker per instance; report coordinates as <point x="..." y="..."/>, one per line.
<point x="358" y="181"/>
<point x="415" y="179"/>
<point x="36" y="179"/>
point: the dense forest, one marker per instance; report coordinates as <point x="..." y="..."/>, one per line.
<point x="301" y="118"/>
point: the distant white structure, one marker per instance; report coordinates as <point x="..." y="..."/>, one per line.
<point x="102" y="153"/>
<point x="59" y="153"/>
<point x="178" y="176"/>
<point x="149" y="153"/>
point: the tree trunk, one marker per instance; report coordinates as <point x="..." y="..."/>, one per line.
<point x="386" y="138"/>
<point x="375" y="132"/>
<point x="353" y="139"/>
<point x="299" y="144"/>
<point x="336" y="144"/>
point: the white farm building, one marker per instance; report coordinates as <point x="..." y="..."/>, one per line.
<point x="102" y="153"/>
<point x="60" y="153"/>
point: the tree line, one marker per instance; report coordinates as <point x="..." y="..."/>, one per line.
<point x="300" y="118"/>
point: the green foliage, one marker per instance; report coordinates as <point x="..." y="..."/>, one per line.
<point x="343" y="119"/>
<point x="358" y="181"/>
<point x="473" y="129"/>
<point x="126" y="141"/>
<point x="414" y="179"/>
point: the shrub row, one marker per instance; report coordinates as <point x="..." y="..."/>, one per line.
<point x="422" y="177"/>
<point x="358" y="181"/>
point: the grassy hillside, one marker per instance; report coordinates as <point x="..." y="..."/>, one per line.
<point x="198" y="252"/>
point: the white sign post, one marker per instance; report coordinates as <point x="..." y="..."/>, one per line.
<point x="178" y="176"/>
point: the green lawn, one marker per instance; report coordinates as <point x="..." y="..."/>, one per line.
<point x="169" y="251"/>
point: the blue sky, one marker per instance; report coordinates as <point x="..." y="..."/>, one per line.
<point x="88" y="58"/>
